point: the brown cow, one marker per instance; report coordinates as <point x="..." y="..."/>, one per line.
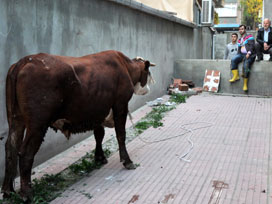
<point x="71" y="94"/>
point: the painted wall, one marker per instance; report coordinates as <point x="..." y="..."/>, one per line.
<point x="77" y="28"/>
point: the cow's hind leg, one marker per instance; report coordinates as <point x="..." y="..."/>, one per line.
<point x="120" y="117"/>
<point x="99" y="133"/>
<point x="30" y="146"/>
<point x="13" y="143"/>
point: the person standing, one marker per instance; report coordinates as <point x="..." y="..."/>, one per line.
<point x="231" y="48"/>
<point x="264" y="40"/>
<point x="246" y="52"/>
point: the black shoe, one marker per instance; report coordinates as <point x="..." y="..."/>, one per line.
<point x="259" y="59"/>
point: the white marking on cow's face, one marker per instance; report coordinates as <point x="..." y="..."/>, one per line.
<point x="139" y="90"/>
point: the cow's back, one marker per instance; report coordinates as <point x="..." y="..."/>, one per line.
<point x="81" y="90"/>
<point x="100" y="81"/>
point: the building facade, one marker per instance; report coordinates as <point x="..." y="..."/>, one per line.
<point x="230" y="13"/>
<point x="267" y="6"/>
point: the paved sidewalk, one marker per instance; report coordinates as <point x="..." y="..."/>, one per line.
<point x="230" y="161"/>
<point x="63" y="160"/>
<point x="73" y="154"/>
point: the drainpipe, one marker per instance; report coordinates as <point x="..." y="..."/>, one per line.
<point x="213" y="44"/>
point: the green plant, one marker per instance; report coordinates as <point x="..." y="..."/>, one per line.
<point x="177" y="98"/>
<point x="87" y="163"/>
<point x="152" y="119"/>
<point x="48" y="187"/>
<point x="14" y="199"/>
<point x="216" y="18"/>
<point x="251" y="10"/>
<point x="88" y="195"/>
<point x="142" y="125"/>
<point x="51" y="186"/>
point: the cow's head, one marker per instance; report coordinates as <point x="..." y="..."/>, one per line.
<point x="145" y="78"/>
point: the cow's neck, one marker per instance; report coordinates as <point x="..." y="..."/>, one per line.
<point x="134" y="74"/>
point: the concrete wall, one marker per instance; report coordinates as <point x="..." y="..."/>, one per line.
<point x="267" y="9"/>
<point x="77" y="28"/>
<point x="222" y="39"/>
<point x="220" y="42"/>
<point x="259" y="80"/>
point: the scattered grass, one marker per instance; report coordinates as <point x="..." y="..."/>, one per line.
<point x="87" y="163"/>
<point x="50" y="187"/>
<point x="88" y="195"/>
<point x="153" y="119"/>
<point x="178" y="98"/>
<point x="14" y="198"/>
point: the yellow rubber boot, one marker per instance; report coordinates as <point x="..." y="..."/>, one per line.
<point x="235" y="76"/>
<point x="245" y="84"/>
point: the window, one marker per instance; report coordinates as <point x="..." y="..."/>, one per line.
<point x="197" y="12"/>
<point x="229" y="10"/>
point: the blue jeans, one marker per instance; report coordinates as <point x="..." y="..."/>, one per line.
<point x="247" y="63"/>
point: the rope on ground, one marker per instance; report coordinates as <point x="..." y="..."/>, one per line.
<point x="182" y="157"/>
<point x="188" y="130"/>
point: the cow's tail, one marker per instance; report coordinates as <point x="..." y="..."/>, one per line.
<point x="11" y="83"/>
<point x="16" y="127"/>
<point x="10" y="93"/>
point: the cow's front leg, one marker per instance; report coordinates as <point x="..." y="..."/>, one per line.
<point x="120" y="118"/>
<point x="99" y="133"/>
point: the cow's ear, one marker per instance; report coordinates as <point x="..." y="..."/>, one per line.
<point x="147" y="64"/>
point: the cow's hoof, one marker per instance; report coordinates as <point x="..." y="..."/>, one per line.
<point x="6" y="195"/>
<point x="129" y="166"/>
<point x="101" y="160"/>
<point x="27" y="199"/>
<point x="26" y="196"/>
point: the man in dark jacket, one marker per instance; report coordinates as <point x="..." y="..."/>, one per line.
<point x="264" y="40"/>
<point x="246" y="52"/>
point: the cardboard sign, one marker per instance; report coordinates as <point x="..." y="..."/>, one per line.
<point x="211" y="80"/>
